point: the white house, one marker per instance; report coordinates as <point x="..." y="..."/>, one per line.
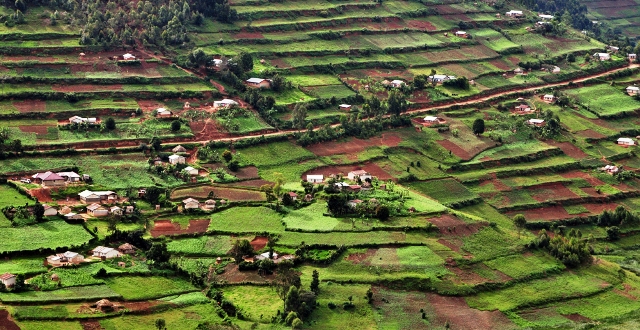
<point x="354" y="203"/>
<point x="89" y="196"/>
<point x="613" y="48"/>
<point x="440" y="78"/>
<point x="556" y="69"/>
<point x="632" y="57"/>
<point x="548" y="98"/>
<point x="97" y="210"/>
<point x="545" y="17"/>
<point x="210" y="204"/>
<point x="190" y="170"/>
<point x="258" y="83"/>
<point x="514" y="13"/>
<point x="518" y="71"/>
<point x="176" y="159"/>
<point x="67" y="257"/>
<point x="396" y="83"/>
<point x="602" y="56"/>
<point x="217" y="62"/>
<point x="128" y="57"/>
<point x="362" y="174"/>
<point x="70" y="176"/>
<point x="341" y="185"/>
<point x="163" y="113"/>
<point x="431" y="120"/>
<point x="72" y="216"/>
<point x="224" y="103"/>
<point x="633" y="90"/>
<point x="626" y="141"/>
<point x="540" y="23"/>
<point x="535" y="122"/>
<point x="345" y="107"/>
<point x="105" y="252"/>
<point x="115" y="210"/>
<point x="461" y="34"/>
<point x="191" y="203"/>
<point x="49" y="210"/>
<point x="8" y="279"/>
<point x="80" y="120"/>
<point x="315" y="178"/>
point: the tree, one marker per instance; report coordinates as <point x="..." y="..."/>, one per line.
<point x="155" y="143"/>
<point x="153" y="194"/>
<point x="287" y="200"/>
<point x="227" y="155"/>
<point x="19" y="285"/>
<point x="315" y="282"/>
<point x="396" y="103"/>
<point x="240" y="249"/>
<point x="292" y="300"/>
<point x="299" y="116"/>
<point x="382" y="212"/>
<point x="296" y="323"/>
<point x="613" y="233"/>
<point x="233" y="166"/>
<point x="520" y="222"/>
<point x="478" y="126"/>
<point x="285" y="279"/>
<point x="38" y="211"/>
<point x="110" y="124"/>
<point x="246" y="61"/>
<point x="161" y="324"/>
<point x="175" y="125"/>
<point x="198" y="56"/>
<point x="158" y="253"/>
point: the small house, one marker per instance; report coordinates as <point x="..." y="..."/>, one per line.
<point x="626" y="141"/>
<point x="210" y="204"/>
<point x="523" y="108"/>
<point x="518" y="71"/>
<point x="97" y="210"/>
<point x="8" y="279"/>
<point x="461" y="34"/>
<point x="127" y="248"/>
<point x="176" y="159"/>
<point x="217" y="62"/>
<point x="555" y="70"/>
<point x="439" y="78"/>
<point x="157" y="161"/>
<point x="64" y="258"/>
<point x="345" y="107"/>
<point x="64" y="210"/>
<point x="602" y="56"/>
<point x="48" y="179"/>
<point x="536" y="122"/>
<point x="396" y="83"/>
<point x="362" y="174"/>
<point x="354" y="203"/>
<point x="545" y="17"/>
<point x="341" y="185"/>
<point x="105" y="252"/>
<point x="514" y="13"/>
<point x="191" y="171"/>
<point x="633" y="90"/>
<point x="190" y="203"/>
<point x="70" y="176"/>
<point x="128" y="209"/>
<point x="49" y="210"/>
<point x="315" y="178"/>
<point x="632" y="57"/>
<point x="115" y="210"/>
<point x="354" y="187"/>
<point x="431" y="120"/>
<point x="163" y="113"/>
<point x="549" y="98"/>
<point x="293" y="195"/>
<point x="89" y="196"/>
<point x="128" y="57"/>
<point x="178" y="149"/>
<point x="541" y="23"/>
<point x="258" y="83"/>
<point x="613" y="49"/>
<point x="225" y="103"/>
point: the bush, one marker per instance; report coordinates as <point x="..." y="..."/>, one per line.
<point x="110" y="124"/>
<point x="175" y="125"/>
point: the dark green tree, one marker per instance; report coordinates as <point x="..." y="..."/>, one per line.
<point x="110" y="124"/>
<point x="315" y="282"/>
<point x="175" y="125"/>
<point x="478" y="126"/>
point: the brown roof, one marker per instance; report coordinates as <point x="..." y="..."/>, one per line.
<point x="126" y="246"/>
<point x="48" y="176"/>
<point x="292" y="194"/>
<point x="6" y="276"/>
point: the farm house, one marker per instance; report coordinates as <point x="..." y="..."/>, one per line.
<point x="8" y="279"/>
<point x="176" y="159"/>
<point x="626" y="141"/>
<point x="602" y="56"/>
<point x="97" y="210"/>
<point x="105" y="252"/>
<point x="224" y="103"/>
<point x="319" y="178"/>
<point x="362" y="174"/>
<point x="549" y="98"/>
<point x="190" y="203"/>
<point x="48" y="179"/>
<point x="258" y="83"/>
<point x="514" y="13"/>
<point x="633" y="90"/>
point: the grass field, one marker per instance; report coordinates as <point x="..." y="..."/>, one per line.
<point x="47" y="235"/>
<point x="79" y="293"/>
<point x="247" y="219"/>
<point x="446" y="191"/>
<point x="604" y="99"/>
<point x="144" y="288"/>
<point x="205" y="245"/>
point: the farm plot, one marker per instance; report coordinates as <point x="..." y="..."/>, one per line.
<point x="399" y="160"/>
<point x="510" y="170"/>
<point x="520" y="266"/>
<point x="273" y="154"/>
<point x="293" y="239"/>
<point x="47" y="235"/>
<point x="604" y="100"/>
<point x="327" y="92"/>
<point x="22" y="266"/>
<point x="246" y="220"/>
<point x="510" y="150"/>
<point x="167" y="228"/>
<point x="231" y="194"/>
<point x="215" y="245"/>
<point x="245" y="297"/>
<point x="494" y="40"/>
<point x="144" y="288"/>
<point x="354" y="146"/>
<point x="10" y="197"/>
<point x="446" y="191"/>
<point x="78" y="293"/>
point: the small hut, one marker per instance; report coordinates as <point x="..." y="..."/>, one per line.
<point x="105" y="306"/>
<point x="55" y="277"/>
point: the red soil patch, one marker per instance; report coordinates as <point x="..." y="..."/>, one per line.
<point x="5" y="321"/>
<point x="359" y="258"/>
<point x="455" y="244"/>
<point x="168" y="228"/>
<point x="259" y="243"/>
<point x="591" y="191"/>
<point x="84" y="88"/>
<point x="372" y="168"/>
<point x="582" y="175"/>
<point x="149" y="105"/>
<point x="89" y="325"/>
<point x="556" y="212"/>
<point x="424" y="25"/>
<point x="500" y="64"/>
<point x="140" y="306"/>
<point x="455" y="149"/>
<point x="354" y="146"/>
<point x="625" y="293"/>
<point x="38" y="129"/>
<point x="233" y="275"/>
<point x="577" y="318"/>
<point x="460" y="316"/>
<point x="42" y="194"/>
<point x="569" y="149"/>
<point x="466" y="276"/>
<point x="207" y="130"/>
<point x="224" y="192"/>
<point x="499" y="185"/>
<point x="589" y="133"/>
<point x="248" y="35"/>
<point x="599" y="208"/>
<point x="450" y="225"/>
<point x="257" y="183"/>
<point x="551" y="191"/>
<point x="623" y="187"/>
<point x="30" y="106"/>
<point x="280" y="63"/>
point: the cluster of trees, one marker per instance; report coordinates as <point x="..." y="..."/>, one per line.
<point x="338" y="205"/>
<point x="460" y="83"/>
<point x="7" y="144"/>
<point x="24" y="215"/>
<point x="571" y="249"/>
<point x="616" y="219"/>
<point x="572" y="12"/>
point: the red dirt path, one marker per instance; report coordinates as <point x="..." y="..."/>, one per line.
<point x="5" y="322"/>
<point x="353" y="146"/>
<point x="167" y="228"/>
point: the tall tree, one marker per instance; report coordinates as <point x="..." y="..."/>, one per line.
<point x="478" y="126"/>
<point x="520" y="222"/>
<point x="396" y="103"/>
<point x="299" y="116"/>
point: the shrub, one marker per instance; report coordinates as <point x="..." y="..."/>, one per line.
<point x="175" y="125"/>
<point x="110" y="124"/>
